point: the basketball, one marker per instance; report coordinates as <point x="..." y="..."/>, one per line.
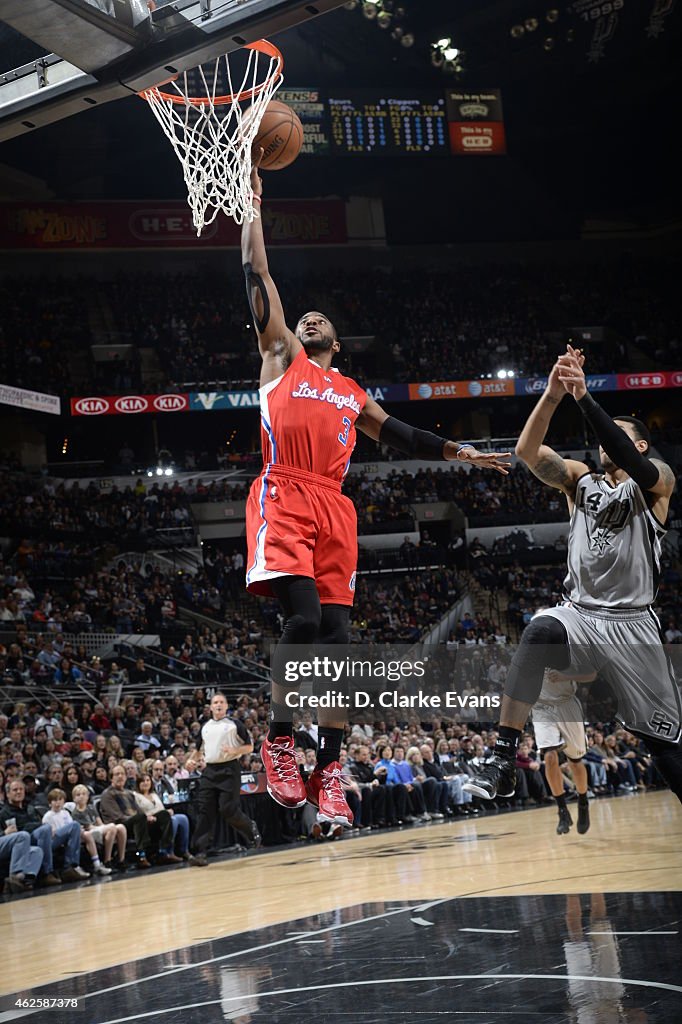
<point x="281" y="136"/>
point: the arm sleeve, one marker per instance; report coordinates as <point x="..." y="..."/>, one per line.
<point x="420" y="444"/>
<point x="617" y="445"/>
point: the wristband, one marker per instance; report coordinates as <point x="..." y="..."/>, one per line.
<point x="257" y="199"/>
<point x="460" y="447"/>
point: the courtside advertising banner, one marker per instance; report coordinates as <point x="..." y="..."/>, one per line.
<point x="476" y="122"/>
<point x="51" y="227"/>
<point x="34" y="400"/>
<point x="461" y="389"/>
<point x="595" y="382"/>
<point x="128" y="405"/>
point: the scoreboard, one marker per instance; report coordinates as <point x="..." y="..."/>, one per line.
<point x="364" y="122"/>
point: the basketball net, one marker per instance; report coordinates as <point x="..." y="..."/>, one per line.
<point x="212" y="134"/>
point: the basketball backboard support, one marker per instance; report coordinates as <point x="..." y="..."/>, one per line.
<point x="103" y="50"/>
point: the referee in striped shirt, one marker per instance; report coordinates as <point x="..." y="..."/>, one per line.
<point x="223" y="741"/>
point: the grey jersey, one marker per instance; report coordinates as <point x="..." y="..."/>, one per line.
<point x="614" y="546"/>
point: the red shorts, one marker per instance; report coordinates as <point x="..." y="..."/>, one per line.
<point x="300" y="524"/>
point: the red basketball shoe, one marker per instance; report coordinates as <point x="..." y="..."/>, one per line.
<point x="325" y="790"/>
<point x="285" y="784"/>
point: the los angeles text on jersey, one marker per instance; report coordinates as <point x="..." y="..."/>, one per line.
<point x="305" y="390"/>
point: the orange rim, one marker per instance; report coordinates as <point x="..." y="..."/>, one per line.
<point x="262" y="45"/>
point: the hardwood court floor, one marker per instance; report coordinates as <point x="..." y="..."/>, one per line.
<point x="633" y="846"/>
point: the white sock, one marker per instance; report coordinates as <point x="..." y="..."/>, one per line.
<point x="96" y="861"/>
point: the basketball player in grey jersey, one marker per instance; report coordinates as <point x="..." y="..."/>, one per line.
<point x="607" y="623"/>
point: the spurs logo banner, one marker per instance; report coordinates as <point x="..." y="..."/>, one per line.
<point x="476" y="122"/>
<point x="659" y="12"/>
<point x="602" y="17"/>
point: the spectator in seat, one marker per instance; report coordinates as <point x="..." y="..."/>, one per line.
<point x="57" y="818"/>
<point x="150" y="804"/>
<point x="435" y="791"/>
<point x="530" y="767"/>
<point x="28" y="819"/>
<point x="146" y="741"/>
<point x="458" y="798"/>
<point x="23" y="860"/>
<point x="118" y="805"/>
<point x="403" y="773"/>
<point x="372" y="793"/>
<point x="105" y="836"/>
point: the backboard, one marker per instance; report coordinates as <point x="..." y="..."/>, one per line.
<point x="102" y="50"/>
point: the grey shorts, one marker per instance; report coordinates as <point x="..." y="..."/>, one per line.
<point x="625" y="648"/>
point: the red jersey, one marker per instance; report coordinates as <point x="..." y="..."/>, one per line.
<point x="308" y="418"/>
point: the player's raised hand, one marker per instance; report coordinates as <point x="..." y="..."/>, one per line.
<point x="499" y="461"/>
<point x="257" y="154"/>
<point x="571" y="372"/>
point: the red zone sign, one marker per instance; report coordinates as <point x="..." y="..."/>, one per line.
<point x="116" y="405"/>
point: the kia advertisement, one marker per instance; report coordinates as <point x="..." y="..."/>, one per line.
<point x="128" y="405"/>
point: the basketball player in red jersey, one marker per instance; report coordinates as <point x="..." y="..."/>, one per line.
<point x="301" y="530"/>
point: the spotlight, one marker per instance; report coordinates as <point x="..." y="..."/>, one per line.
<point x="369" y="9"/>
<point x="159" y="471"/>
<point x="168" y="471"/>
<point x="149" y="473"/>
<point x="502" y="374"/>
<point x="397" y="33"/>
<point x="384" y="19"/>
<point x="531" y="24"/>
<point x="552" y="16"/>
<point x="407" y="40"/>
<point x="517" y="31"/>
<point x="548" y="44"/>
<point x="446" y="56"/>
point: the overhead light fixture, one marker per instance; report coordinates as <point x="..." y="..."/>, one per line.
<point x="548" y="44"/>
<point x="530" y="24"/>
<point x="552" y="15"/>
<point x="386" y="15"/>
<point x="517" y="31"/>
<point x="446" y="56"/>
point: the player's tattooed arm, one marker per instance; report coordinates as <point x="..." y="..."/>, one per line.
<point x="665" y="485"/>
<point x="551" y="469"/>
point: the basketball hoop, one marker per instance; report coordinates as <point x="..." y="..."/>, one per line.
<point x="201" y="115"/>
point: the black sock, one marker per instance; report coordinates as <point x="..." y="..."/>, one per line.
<point x="328" y="745"/>
<point x="280" y="722"/>
<point x="582" y="799"/>
<point x="561" y="802"/>
<point x="507" y="742"/>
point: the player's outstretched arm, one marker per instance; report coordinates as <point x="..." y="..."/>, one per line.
<point x="277" y="344"/>
<point x="651" y="474"/>
<point x="546" y="464"/>
<point x="422" y="444"/>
